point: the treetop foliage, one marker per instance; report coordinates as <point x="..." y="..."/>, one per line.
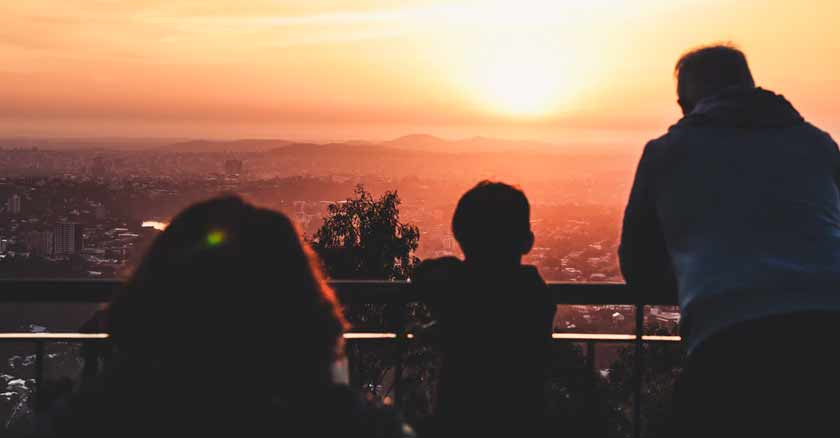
<point x="363" y="238"/>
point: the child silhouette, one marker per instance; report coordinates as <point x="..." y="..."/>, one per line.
<point x="494" y="318"/>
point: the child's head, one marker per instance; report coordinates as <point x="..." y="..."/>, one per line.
<point x="492" y="222"/>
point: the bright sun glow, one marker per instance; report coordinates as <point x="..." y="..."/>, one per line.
<point x="523" y="74"/>
<point x="522" y="81"/>
<point x="521" y="87"/>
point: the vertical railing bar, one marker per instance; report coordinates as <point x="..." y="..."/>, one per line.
<point x="637" y="372"/>
<point x="401" y="341"/>
<point x="39" y="375"/>
<point x="398" y="371"/>
<point x="593" y="379"/>
<point x="351" y="353"/>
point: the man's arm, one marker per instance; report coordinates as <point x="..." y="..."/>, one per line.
<point x="835" y="153"/>
<point x="645" y="262"/>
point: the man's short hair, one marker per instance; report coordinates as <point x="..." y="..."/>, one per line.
<point x="708" y="70"/>
<point x="494" y="218"/>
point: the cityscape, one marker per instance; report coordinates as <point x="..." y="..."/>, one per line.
<point x="84" y="210"/>
<point x="86" y="213"/>
<point x="88" y="210"/>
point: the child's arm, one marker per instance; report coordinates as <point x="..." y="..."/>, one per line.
<point x="431" y="280"/>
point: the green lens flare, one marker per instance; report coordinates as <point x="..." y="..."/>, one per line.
<point x="215" y="238"/>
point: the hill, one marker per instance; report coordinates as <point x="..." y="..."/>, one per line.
<point x="67" y="144"/>
<point x="430" y="143"/>
<point x="246" y="145"/>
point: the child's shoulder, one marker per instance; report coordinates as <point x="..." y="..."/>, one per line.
<point x="437" y="270"/>
<point x="531" y="282"/>
<point x="530" y="275"/>
<point x="448" y="261"/>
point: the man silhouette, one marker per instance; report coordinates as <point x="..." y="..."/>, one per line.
<point x="736" y="211"/>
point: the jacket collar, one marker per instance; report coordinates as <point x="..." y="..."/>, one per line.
<point x="743" y="108"/>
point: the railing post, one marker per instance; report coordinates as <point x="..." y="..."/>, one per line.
<point x="637" y="371"/>
<point x="593" y="398"/>
<point x="39" y="376"/>
<point x="400" y="348"/>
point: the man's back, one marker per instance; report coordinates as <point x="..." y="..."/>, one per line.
<point x="736" y="210"/>
<point x="745" y="194"/>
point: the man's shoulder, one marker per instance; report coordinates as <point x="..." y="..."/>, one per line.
<point x="655" y="149"/>
<point x="820" y="134"/>
<point x="659" y="143"/>
<point x="675" y="134"/>
<point x="678" y="137"/>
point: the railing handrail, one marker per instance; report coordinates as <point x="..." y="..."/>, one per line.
<point x="349" y="291"/>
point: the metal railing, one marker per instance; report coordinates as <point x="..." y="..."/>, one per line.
<point x="352" y="292"/>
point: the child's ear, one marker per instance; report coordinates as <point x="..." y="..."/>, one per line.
<point x="528" y="243"/>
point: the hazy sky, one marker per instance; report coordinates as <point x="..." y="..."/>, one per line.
<point x="550" y="69"/>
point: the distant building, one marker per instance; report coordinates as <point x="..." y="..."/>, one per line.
<point x="233" y="167"/>
<point x="67" y="238"/>
<point x="39" y="243"/>
<point x="100" y="212"/>
<point x="302" y="219"/>
<point x="13" y="204"/>
<point x="598" y="277"/>
<point x="663" y="315"/>
<point x="118" y="253"/>
<point x="99" y="169"/>
<point x="4" y="244"/>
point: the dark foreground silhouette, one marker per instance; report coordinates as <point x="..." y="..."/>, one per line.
<point x="226" y="327"/>
<point x="736" y="210"/>
<point x="495" y="320"/>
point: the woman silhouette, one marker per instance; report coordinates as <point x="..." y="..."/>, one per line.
<point x="227" y="325"/>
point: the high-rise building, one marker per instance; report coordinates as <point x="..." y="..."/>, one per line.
<point x="233" y="167"/>
<point x="4" y="244"/>
<point x="13" y="204"/>
<point x="67" y="238"/>
<point x="39" y="243"/>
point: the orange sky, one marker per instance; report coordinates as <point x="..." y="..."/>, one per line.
<point x="336" y="69"/>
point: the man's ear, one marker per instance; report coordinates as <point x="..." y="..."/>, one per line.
<point x="528" y="243"/>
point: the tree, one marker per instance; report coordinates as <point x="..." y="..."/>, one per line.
<point x="364" y="238"/>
